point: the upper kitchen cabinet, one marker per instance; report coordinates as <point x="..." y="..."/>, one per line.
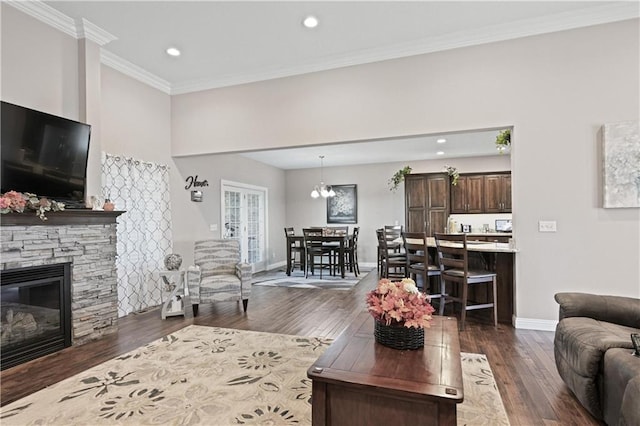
<point x="468" y="195"/>
<point x="482" y="193"/>
<point x="497" y="193"/>
<point x="426" y="202"/>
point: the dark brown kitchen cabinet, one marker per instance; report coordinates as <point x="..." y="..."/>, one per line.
<point x="426" y="202"/>
<point x="468" y="195"/>
<point x="497" y="193"/>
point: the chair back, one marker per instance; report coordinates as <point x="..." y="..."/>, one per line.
<point x="290" y="232"/>
<point x="354" y="239"/>
<point x="452" y="255"/>
<point x="416" y="249"/>
<point x="382" y="241"/>
<point x="313" y="238"/>
<point x="217" y="256"/>
<point x="392" y="233"/>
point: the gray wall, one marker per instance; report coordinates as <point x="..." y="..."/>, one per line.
<point x="235" y="168"/>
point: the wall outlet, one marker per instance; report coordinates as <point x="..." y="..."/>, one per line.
<point x="213" y="227"/>
<point x="547" y="226"/>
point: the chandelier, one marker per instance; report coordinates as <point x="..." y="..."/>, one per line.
<point x="322" y="189"/>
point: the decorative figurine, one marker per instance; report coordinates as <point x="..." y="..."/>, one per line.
<point x="172" y="261"/>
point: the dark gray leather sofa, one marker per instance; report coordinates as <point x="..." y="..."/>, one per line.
<point x="593" y="353"/>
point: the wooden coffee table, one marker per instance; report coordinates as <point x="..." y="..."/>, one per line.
<point x="360" y="382"/>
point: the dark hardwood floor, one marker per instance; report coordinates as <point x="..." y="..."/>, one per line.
<point x="521" y="360"/>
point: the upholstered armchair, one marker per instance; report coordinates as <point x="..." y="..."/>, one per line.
<point x="218" y="274"/>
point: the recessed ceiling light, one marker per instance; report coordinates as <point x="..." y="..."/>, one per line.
<point x="440" y="153"/>
<point x="172" y="51"/>
<point x="310" y="21"/>
<point x="441" y="140"/>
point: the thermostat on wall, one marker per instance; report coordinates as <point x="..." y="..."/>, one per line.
<point x="196" y="196"/>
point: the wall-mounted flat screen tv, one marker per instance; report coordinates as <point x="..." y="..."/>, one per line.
<point x="43" y="154"/>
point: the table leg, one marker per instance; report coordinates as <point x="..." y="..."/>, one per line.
<point x="342" y="271"/>
<point x="288" y="257"/>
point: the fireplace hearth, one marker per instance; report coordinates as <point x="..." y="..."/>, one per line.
<point x="35" y="312"/>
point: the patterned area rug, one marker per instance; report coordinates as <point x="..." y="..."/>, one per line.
<point x="279" y="278"/>
<point x="215" y="376"/>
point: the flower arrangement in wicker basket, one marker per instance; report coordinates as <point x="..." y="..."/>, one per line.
<point x="401" y="313"/>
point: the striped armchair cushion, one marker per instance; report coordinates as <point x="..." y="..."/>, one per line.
<point x="217" y="257"/>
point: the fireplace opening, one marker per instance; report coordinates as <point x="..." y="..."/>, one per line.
<point x="35" y="312"/>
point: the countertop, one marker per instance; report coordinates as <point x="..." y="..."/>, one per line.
<point x="486" y="234"/>
<point x="487" y="247"/>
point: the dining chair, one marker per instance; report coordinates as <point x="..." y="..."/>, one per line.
<point x="297" y="251"/>
<point x="392" y="264"/>
<point x="316" y="251"/>
<point x="393" y="243"/>
<point x="393" y="234"/>
<point x="419" y="263"/>
<point x="351" y="252"/>
<point x="335" y="245"/>
<point x="454" y="268"/>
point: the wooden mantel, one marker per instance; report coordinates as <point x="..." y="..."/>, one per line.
<point x="65" y="217"/>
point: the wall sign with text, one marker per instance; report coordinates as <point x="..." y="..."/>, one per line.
<point x="193" y="182"/>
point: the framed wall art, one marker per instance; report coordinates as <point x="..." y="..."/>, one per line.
<point x="343" y="207"/>
<point x="621" y="165"/>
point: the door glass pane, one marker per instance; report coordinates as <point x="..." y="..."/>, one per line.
<point x="245" y="220"/>
<point x="253" y="228"/>
<point x="232" y="215"/>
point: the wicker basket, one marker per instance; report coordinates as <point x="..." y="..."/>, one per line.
<point x="399" y="337"/>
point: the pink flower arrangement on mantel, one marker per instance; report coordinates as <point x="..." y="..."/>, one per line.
<point x="400" y="303"/>
<point x="18" y="202"/>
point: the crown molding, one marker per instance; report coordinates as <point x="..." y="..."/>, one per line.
<point x="89" y="30"/>
<point x="502" y="32"/>
<point x="132" y="70"/>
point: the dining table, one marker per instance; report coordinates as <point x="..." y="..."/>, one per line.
<point x="343" y="241"/>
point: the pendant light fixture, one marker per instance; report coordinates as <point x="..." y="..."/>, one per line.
<point x="322" y="189"/>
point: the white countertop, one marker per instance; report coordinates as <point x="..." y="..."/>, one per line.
<point x="487" y="247"/>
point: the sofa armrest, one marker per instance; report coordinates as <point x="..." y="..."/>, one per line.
<point x="615" y="309"/>
<point x="244" y="271"/>
<point x="193" y="283"/>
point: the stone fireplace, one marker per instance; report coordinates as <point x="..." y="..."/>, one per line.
<point x="83" y="239"/>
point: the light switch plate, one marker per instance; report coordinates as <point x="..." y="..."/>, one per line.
<point x="547" y="226"/>
<point x="213" y="227"/>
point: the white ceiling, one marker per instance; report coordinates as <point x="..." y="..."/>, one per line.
<point x="230" y="42"/>
<point x="234" y="42"/>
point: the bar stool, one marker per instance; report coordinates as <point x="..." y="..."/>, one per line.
<point x="419" y="263"/>
<point x="454" y="268"/>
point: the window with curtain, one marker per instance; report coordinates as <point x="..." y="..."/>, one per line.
<point x="144" y="232"/>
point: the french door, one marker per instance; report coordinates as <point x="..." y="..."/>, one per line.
<point x="244" y="219"/>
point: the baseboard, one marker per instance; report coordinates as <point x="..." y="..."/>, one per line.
<point x="534" y="324"/>
<point x="277" y="265"/>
